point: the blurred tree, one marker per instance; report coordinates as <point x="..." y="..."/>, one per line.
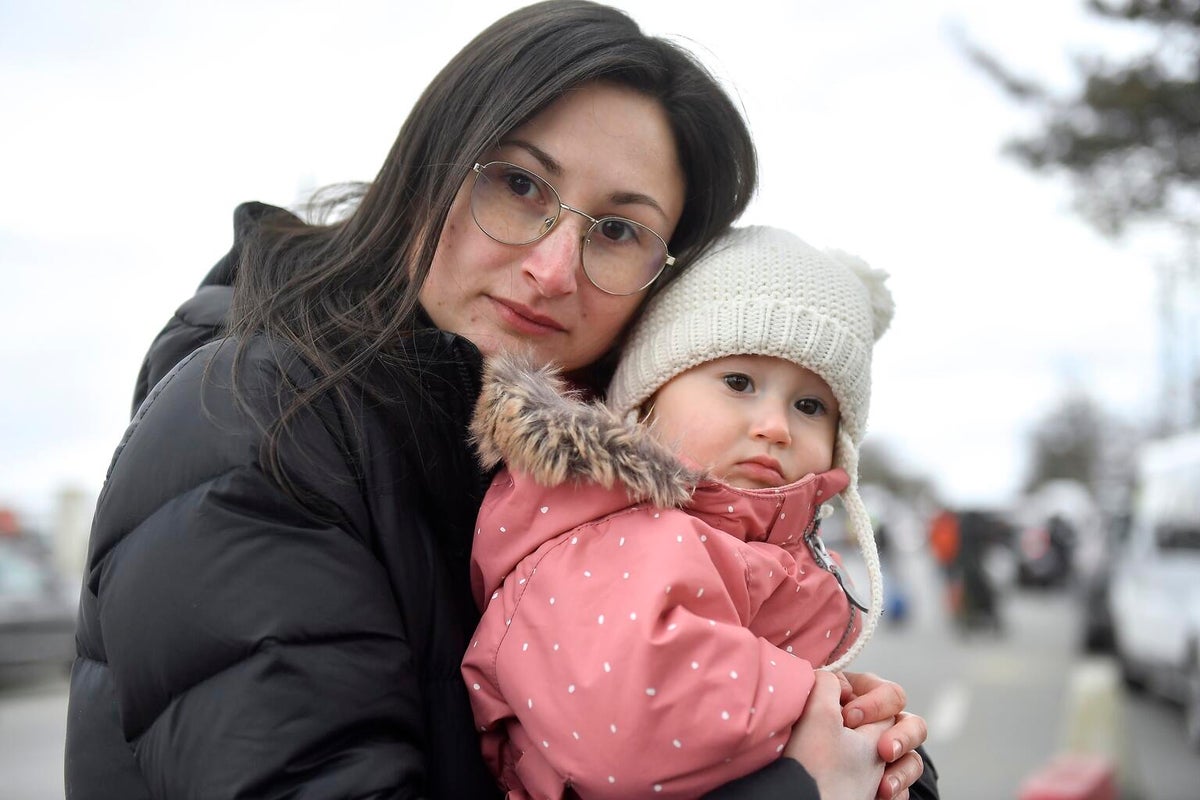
<point x="1066" y="443"/>
<point x="1130" y="137"/>
<point x="1077" y="440"/>
<point x="877" y="465"/>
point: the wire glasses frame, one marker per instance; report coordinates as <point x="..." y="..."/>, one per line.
<point x="514" y="206"/>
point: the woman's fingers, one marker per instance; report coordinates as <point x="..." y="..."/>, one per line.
<point x="844" y="763"/>
<point x="899" y="776"/>
<point x="873" y="700"/>
<point x="909" y="733"/>
<point x="874" y="707"/>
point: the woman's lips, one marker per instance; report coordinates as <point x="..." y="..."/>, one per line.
<point x="525" y="320"/>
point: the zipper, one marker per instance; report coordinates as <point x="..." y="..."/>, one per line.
<point x="825" y="561"/>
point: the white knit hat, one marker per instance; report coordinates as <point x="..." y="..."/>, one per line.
<point x="763" y="291"/>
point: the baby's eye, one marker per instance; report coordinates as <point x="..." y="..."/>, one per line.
<point x="810" y="407"/>
<point x="738" y="382"/>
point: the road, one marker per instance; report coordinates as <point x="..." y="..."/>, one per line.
<point x="33" y="719"/>
<point x="998" y="706"/>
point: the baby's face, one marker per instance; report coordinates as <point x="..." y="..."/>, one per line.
<point x="753" y="421"/>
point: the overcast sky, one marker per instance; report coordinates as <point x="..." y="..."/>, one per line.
<point x="131" y="130"/>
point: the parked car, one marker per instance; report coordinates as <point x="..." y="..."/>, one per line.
<point x="1154" y="590"/>
<point x="37" y="606"/>
<point x="1058" y="524"/>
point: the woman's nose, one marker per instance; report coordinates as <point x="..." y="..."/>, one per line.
<point x="554" y="260"/>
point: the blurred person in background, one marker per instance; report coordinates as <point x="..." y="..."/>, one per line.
<point x="896" y="589"/>
<point x="945" y="543"/>
<point x="978" y="603"/>
<point x="277" y="598"/>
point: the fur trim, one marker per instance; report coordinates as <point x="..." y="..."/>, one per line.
<point x="528" y="418"/>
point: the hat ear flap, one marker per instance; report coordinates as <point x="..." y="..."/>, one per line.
<point x="858" y="523"/>
<point x="883" y="307"/>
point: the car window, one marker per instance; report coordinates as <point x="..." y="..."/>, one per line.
<point x="1171" y="503"/>
<point x="20" y="575"/>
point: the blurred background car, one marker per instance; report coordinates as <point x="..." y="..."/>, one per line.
<point x="1154" y="588"/>
<point x="1060" y="534"/>
<point x="1044" y="552"/>
<point x="37" y="605"/>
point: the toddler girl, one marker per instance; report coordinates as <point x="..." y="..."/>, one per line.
<point x="655" y="594"/>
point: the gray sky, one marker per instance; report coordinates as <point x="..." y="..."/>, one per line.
<point x="131" y="130"/>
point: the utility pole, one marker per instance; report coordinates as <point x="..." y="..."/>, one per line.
<point x="1179" y="333"/>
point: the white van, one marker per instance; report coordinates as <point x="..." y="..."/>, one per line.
<point x="1155" y="590"/>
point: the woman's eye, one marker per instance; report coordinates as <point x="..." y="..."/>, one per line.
<point x="738" y="382"/>
<point x="810" y="407"/>
<point x="618" y="230"/>
<point x="521" y="185"/>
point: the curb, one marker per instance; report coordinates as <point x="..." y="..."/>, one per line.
<point x="1094" y="761"/>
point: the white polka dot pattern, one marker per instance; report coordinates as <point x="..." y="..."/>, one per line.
<point x="714" y="604"/>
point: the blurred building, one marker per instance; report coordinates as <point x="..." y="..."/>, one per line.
<point x="70" y="527"/>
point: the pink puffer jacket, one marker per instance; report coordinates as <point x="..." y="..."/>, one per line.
<point x="631" y="648"/>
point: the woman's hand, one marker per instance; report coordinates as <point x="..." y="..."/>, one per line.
<point x="868" y="699"/>
<point x="844" y="762"/>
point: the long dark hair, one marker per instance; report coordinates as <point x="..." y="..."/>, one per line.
<point x="343" y="295"/>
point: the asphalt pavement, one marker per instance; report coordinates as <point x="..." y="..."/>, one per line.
<point x="33" y="721"/>
<point x="1001" y="705"/>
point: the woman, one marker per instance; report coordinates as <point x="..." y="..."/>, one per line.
<point x="277" y="598"/>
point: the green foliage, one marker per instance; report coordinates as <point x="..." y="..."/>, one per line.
<point x="1129" y="138"/>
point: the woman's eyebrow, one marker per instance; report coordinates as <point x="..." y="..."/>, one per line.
<point x="545" y="159"/>
<point x="637" y="198"/>
<point x="554" y="169"/>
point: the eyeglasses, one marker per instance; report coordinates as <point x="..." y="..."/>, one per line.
<point x="513" y="206"/>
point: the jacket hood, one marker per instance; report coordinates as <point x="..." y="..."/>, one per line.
<point x="531" y="419"/>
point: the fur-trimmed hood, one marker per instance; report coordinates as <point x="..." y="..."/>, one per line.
<point x="531" y="420"/>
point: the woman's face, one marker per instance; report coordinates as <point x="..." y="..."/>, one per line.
<point x="607" y="150"/>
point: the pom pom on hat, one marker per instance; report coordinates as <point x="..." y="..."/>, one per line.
<point x="883" y="308"/>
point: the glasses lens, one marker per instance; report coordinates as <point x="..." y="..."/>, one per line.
<point x="621" y="256"/>
<point x="512" y="205"/>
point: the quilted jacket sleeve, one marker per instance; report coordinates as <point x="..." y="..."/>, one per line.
<point x="251" y="642"/>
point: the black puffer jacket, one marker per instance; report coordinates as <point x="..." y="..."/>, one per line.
<point x="236" y="642"/>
